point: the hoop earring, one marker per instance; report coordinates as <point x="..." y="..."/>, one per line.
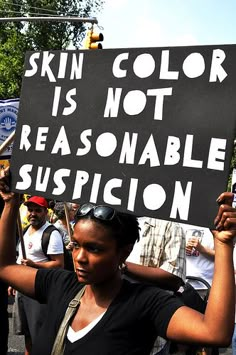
<point x="122" y="267"/>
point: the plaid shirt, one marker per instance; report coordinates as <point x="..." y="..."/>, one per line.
<point x="163" y="245"/>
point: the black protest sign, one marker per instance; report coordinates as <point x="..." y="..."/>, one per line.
<point x="147" y="130"/>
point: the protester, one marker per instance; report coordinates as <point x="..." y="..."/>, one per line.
<point x="158" y="257"/>
<point x="123" y="317"/>
<point x="52" y="218"/>
<point x="29" y="314"/>
<point x="61" y="223"/>
<point x="200" y="256"/>
<point x="75" y="207"/>
<point x="24" y="211"/>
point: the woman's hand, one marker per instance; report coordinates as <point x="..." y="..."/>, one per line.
<point x="226" y="217"/>
<point x="225" y="221"/>
<point x="224" y="236"/>
<point x="226" y="197"/>
<point x="5" y="192"/>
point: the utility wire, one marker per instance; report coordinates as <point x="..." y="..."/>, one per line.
<point x="42" y="9"/>
<point x="31" y="13"/>
<point x="28" y="13"/>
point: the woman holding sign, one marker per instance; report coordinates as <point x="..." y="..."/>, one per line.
<point x="109" y="315"/>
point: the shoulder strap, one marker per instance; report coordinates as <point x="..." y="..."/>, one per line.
<point x="46" y="236"/>
<point x="25" y="229"/>
<point x="59" y="343"/>
<point x="68" y="261"/>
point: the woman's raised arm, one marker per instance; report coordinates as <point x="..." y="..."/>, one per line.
<point x="20" y="277"/>
<point x="215" y="327"/>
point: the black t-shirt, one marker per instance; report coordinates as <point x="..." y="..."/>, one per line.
<point x="129" y="326"/>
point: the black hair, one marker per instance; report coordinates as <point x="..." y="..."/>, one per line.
<point x="124" y="226"/>
<point x="59" y="209"/>
<point x="51" y="204"/>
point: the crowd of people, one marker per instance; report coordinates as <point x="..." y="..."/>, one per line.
<point x="126" y="274"/>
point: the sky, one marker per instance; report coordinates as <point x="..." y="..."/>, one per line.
<point x="157" y="23"/>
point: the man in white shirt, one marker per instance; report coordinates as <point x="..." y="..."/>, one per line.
<point x="200" y="255"/>
<point x="29" y="314"/>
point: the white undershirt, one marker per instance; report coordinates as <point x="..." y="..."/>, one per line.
<point x="73" y="336"/>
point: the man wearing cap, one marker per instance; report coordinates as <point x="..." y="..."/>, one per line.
<point x="31" y="313"/>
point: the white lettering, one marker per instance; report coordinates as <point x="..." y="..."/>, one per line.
<point x="24" y="142"/>
<point x="62" y="65"/>
<point x="81" y="179"/>
<point x="107" y="195"/>
<point x="181" y="201"/>
<point x="58" y="179"/>
<point x="87" y="144"/>
<point x="128" y="148"/>
<point x="150" y="153"/>
<point x="69" y="110"/>
<point x="56" y="100"/>
<point x="34" y="66"/>
<point x="144" y="65"/>
<point x="188" y="161"/>
<point x="95" y="188"/>
<point x="165" y="73"/>
<point x="132" y="194"/>
<point x="134" y="102"/>
<point x="46" y="70"/>
<point x="61" y="143"/>
<point x="41" y="138"/>
<point x="194" y="65"/>
<point x="106" y="144"/>
<point x="76" y="67"/>
<point x="172" y="156"/>
<point x="160" y="94"/>
<point x="154" y="196"/>
<point x="216" y="151"/>
<point x="42" y="183"/>
<point x="116" y="70"/>
<point x="218" y="56"/>
<point x="26" y="179"/>
<point x="113" y="102"/>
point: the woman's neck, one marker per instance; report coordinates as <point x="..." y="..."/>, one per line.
<point x="104" y="293"/>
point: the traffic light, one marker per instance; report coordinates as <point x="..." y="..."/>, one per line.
<point x="92" y="39"/>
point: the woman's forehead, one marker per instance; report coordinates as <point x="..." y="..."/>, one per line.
<point x="91" y="227"/>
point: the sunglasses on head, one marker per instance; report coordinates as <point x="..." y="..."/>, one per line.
<point x="104" y="213"/>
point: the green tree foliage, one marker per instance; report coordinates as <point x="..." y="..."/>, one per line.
<point x="18" y="37"/>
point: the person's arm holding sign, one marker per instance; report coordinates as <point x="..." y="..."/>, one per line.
<point x="218" y="321"/>
<point x="19" y="277"/>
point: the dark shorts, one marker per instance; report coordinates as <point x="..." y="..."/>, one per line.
<point x="28" y="316"/>
<point x="4" y="324"/>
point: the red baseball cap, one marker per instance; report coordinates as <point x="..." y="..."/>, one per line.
<point x="41" y="201"/>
